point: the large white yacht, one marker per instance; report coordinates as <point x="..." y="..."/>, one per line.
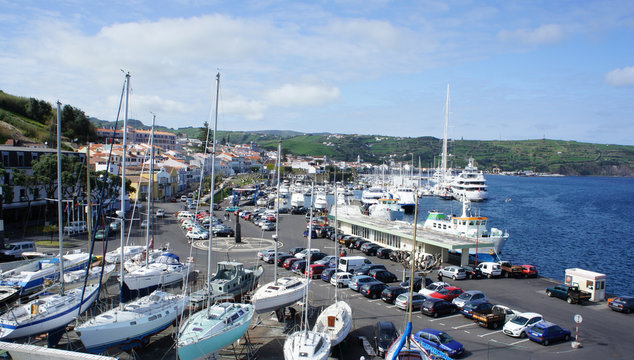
<point x="372" y="195"/>
<point x="470" y="184"/>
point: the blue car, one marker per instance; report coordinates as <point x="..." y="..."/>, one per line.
<point x="545" y="332"/>
<point x="439" y="340"/>
<point x="327" y="274"/>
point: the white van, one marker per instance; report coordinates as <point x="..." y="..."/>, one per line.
<point x="490" y="269"/>
<point x="76" y="227"/>
<point x="351" y="263"/>
<point x="17" y="248"/>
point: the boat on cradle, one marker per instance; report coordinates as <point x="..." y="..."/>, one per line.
<point x="297" y="199"/>
<point x="231" y="281"/>
<point x="215" y="327"/>
<point x="321" y="202"/>
<point x="386" y="209"/>
<point x="165" y="271"/>
<point x="131" y="325"/>
<point x="372" y="195"/>
<point x="470" y="184"/>
<point x="472" y="227"/>
<point x="406" y="198"/>
<point x="8" y="295"/>
<point x="114" y="256"/>
<point x="306" y="344"/>
<point x="32" y="276"/>
<point x="74" y="279"/>
<point x="335" y="321"/>
<point x="210" y="330"/>
<point x="276" y="295"/>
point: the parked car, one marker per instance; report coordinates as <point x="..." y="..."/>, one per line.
<point x="470" y="297"/>
<point x="295" y="210"/>
<point x="490" y="269"/>
<point x="623" y="304"/>
<point x="289" y="262"/>
<point x="402" y="301"/>
<point x="341" y="279"/>
<point x="327" y="274"/>
<point x="383" y="253"/>
<point x="390" y="293"/>
<point x="454" y="272"/>
<point x="14" y="250"/>
<point x="115" y="226"/>
<point x="433" y="287"/>
<point x="385" y="334"/>
<point x="383" y="275"/>
<point x="545" y="332"/>
<point x="529" y="270"/>
<point x="302" y="254"/>
<point x="295" y="250"/>
<point x="315" y="270"/>
<point x="372" y="290"/>
<point x="359" y="280"/>
<point x="517" y="326"/>
<point x="435" y="307"/>
<point x="472" y="272"/>
<point x="299" y="267"/>
<point x="449" y="293"/>
<point x="365" y="268"/>
<point x="267" y="226"/>
<point x="261" y="253"/>
<point x="197" y="235"/>
<point x="418" y="283"/>
<point x="367" y="245"/>
<point x="440" y="340"/>
<point x="357" y="244"/>
<point x="269" y="257"/>
<point x="222" y="230"/>
<point x="325" y="260"/>
<point x="102" y="234"/>
<point x="160" y="212"/>
<point x="571" y="294"/>
<point x="281" y="259"/>
<point x="317" y="256"/>
<point x="499" y="316"/>
<point x="481" y="308"/>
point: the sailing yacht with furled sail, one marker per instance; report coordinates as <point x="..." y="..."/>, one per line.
<point x="281" y="292"/>
<point x="336" y="320"/>
<point x="130" y="325"/>
<point x="53" y="312"/>
<point x="215" y="327"/>
<point x="307" y="344"/>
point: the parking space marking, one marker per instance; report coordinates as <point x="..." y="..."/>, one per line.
<point x="490" y="333"/>
<point x="518" y="342"/>
<point x="461" y="326"/>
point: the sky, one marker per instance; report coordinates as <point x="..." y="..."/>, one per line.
<point x="516" y="69"/>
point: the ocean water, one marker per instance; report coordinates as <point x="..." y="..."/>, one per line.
<point x="557" y="223"/>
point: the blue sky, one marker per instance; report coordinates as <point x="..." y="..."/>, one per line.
<point x="517" y="69"/>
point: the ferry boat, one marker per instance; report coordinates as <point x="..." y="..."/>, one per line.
<point x="406" y="198"/>
<point x="469" y="226"/>
<point x="386" y="209"/>
<point x="470" y="184"/>
<point x="372" y="195"/>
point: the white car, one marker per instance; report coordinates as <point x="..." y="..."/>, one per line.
<point x="302" y="254"/>
<point x="267" y="226"/>
<point x="160" y="212"/>
<point x="517" y="326"/>
<point x="433" y="287"/>
<point x="197" y="235"/>
<point x="270" y="257"/>
<point x="261" y="253"/>
<point x="341" y="279"/>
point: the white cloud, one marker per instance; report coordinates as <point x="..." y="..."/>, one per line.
<point x="545" y="34"/>
<point x="621" y="77"/>
<point x="250" y="109"/>
<point x="302" y="95"/>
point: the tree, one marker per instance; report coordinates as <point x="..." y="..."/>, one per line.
<point x="75" y="125"/>
<point x="32" y="187"/>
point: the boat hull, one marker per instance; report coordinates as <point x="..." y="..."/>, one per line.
<point x="342" y="313"/>
<point x="265" y="301"/>
<point x="305" y="345"/>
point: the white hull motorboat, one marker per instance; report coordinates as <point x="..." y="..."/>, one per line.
<point x="335" y="321"/>
<point x="114" y="256"/>
<point x="276" y="295"/>
<point x="166" y="270"/>
<point x="386" y="209"/>
<point x="307" y="345"/>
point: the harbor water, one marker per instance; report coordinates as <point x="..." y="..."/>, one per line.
<point x="557" y="223"/>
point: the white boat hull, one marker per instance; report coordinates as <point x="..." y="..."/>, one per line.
<point x="340" y="315"/>
<point x="306" y="345"/>
<point x="267" y="298"/>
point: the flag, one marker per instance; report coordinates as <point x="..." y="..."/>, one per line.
<point x="151" y="244"/>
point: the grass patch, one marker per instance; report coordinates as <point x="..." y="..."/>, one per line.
<point x="48" y="243"/>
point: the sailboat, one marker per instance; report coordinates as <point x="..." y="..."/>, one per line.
<point x="53" y="312"/>
<point x="335" y="321"/>
<point x="131" y="325"/>
<point x="443" y="176"/>
<point x="280" y="292"/>
<point x="215" y="327"/>
<point x="306" y="344"/>
<point x="406" y="347"/>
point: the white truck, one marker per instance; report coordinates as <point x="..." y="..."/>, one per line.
<point x="352" y="263"/>
<point x="490" y="269"/>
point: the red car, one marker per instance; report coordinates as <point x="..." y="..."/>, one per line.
<point x="529" y="270"/>
<point x="289" y="262"/>
<point x="448" y="294"/>
<point x="315" y="270"/>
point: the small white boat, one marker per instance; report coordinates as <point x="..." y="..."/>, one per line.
<point x="74" y="279"/>
<point x="297" y="199"/>
<point x="166" y="270"/>
<point x="132" y="325"/>
<point x="46" y="313"/>
<point x="321" y="202"/>
<point x="212" y="329"/>
<point x="114" y="256"/>
<point x="335" y="321"/>
<point x="275" y="295"/>
<point x="307" y="345"/>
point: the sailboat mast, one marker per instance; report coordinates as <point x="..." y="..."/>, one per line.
<point x="123" y="187"/>
<point x="413" y="264"/>
<point x="444" y="141"/>
<point x="309" y="254"/>
<point x="149" y="197"/>
<point x="277" y="207"/>
<point x="211" y="194"/>
<point x="336" y="242"/>
<point x="59" y="194"/>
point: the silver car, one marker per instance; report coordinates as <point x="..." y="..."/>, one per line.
<point x="470" y="297"/>
<point x="454" y="272"/>
<point x="402" y="301"/>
